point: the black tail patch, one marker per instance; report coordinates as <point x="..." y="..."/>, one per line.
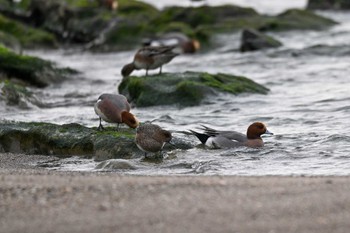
<point x="202" y="137"/>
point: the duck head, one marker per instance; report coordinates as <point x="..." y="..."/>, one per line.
<point x="130" y="120"/>
<point x="128" y="69"/>
<point x="257" y="129"/>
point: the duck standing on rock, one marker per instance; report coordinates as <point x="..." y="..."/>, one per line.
<point x="177" y="39"/>
<point x="151" y="138"/>
<point x="115" y="109"/>
<point x="231" y="139"/>
<point x="150" y="58"/>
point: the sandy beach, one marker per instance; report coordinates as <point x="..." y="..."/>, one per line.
<point x="38" y="200"/>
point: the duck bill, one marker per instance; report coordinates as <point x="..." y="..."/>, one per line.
<point x="268" y="132"/>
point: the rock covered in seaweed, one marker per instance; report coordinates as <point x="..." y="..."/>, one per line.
<point x="71" y="139"/>
<point x="184" y="89"/>
<point x="83" y="22"/>
<point x="328" y="4"/>
<point x="31" y="70"/>
<point x="296" y="19"/>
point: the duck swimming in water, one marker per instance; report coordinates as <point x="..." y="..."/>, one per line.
<point x="231" y="139"/>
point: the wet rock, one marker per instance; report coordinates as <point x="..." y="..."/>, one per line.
<point x="296" y="19"/>
<point x="315" y="50"/>
<point x="83" y="22"/>
<point x="11" y="42"/>
<point x="253" y="40"/>
<point x="116" y="164"/>
<point x="28" y="36"/>
<point x="17" y="95"/>
<point x="68" y="140"/>
<point x="328" y="4"/>
<point x="31" y="70"/>
<point x="184" y="89"/>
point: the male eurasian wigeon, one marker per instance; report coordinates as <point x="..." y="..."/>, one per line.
<point x="177" y="39"/>
<point x="151" y="138"/>
<point x="150" y="58"/>
<point x="230" y="139"/>
<point x="115" y="109"/>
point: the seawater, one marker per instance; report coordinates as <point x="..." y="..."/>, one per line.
<point x="308" y="107"/>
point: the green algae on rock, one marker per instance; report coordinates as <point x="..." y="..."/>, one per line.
<point x="184" y="89"/>
<point x="329" y="4"/>
<point x="31" y="70"/>
<point x="296" y="19"/>
<point x="70" y="139"/>
<point x="28" y="36"/>
<point x="17" y="95"/>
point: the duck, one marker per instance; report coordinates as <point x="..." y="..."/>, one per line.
<point x="114" y="108"/>
<point x="216" y="139"/>
<point x="177" y="39"/>
<point x="151" y="138"/>
<point x="150" y="58"/>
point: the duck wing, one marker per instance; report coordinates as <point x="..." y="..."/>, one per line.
<point x="231" y="135"/>
<point x="151" y="51"/>
<point x="220" y="142"/>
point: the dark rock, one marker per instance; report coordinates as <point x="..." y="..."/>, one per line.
<point x="31" y="70"/>
<point x="28" y="36"/>
<point x="18" y="95"/>
<point x="253" y="40"/>
<point x="296" y="19"/>
<point x="184" y="89"/>
<point x="11" y="42"/>
<point x="315" y="50"/>
<point x="70" y="139"/>
<point x="328" y="4"/>
<point x="84" y="23"/>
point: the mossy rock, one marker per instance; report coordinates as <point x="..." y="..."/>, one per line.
<point x="17" y="95"/>
<point x="204" y="15"/>
<point x="9" y="41"/>
<point x="132" y="7"/>
<point x="31" y="70"/>
<point x="69" y="140"/>
<point x="328" y="4"/>
<point x="297" y="19"/>
<point x="28" y="36"/>
<point x="184" y="89"/>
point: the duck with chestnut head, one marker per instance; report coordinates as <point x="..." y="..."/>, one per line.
<point x="231" y="139"/>
<point x="114" y="108"/>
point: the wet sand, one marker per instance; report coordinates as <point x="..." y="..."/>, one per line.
<point x="38" y="200"/>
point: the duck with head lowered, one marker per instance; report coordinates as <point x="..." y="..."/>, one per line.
<point x="114" y="108"/>
<point x="151" y="138"/>
<point x="150" y="58"/>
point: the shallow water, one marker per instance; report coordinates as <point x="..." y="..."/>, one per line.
<point x="308" y="107"/>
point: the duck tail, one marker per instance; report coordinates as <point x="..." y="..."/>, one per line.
<point x="202" y="137"/>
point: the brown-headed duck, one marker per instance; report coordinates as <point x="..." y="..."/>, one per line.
<point x="230" y="139"/>
<point x="115" y="109"/>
